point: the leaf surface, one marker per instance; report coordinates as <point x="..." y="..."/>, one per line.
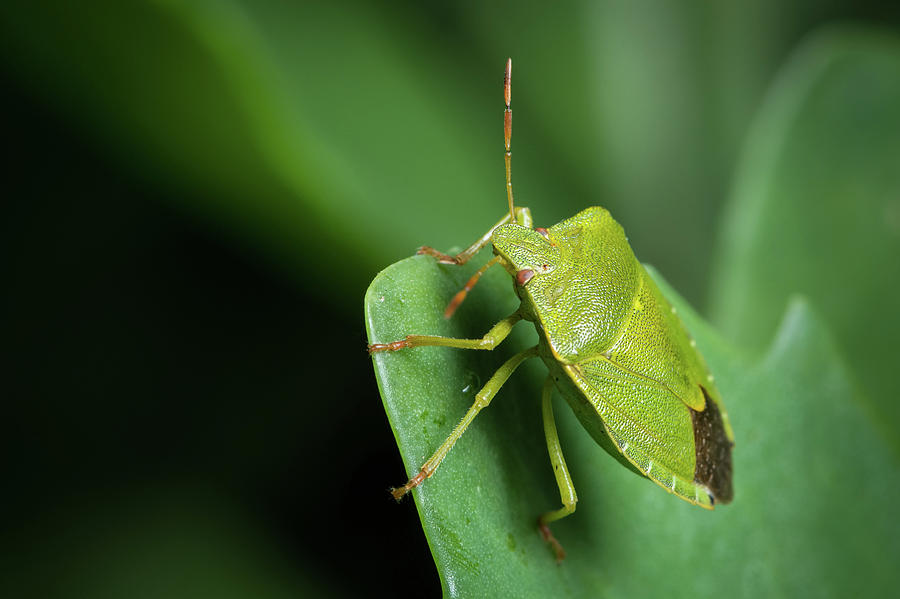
<point x="807" y="457"/>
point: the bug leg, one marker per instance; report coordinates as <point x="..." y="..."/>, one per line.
<point x="490" y="340"/>
<point x="461" y="295"/>
<point x="563" y="478"/>
<point x="482" y="400"/>
<point x="523" y="217"/>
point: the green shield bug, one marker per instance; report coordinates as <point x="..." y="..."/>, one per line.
<point x="615" y="349"/>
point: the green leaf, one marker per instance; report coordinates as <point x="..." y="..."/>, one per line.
<point x="816" y="208"/>
<point x="806" y="461"/>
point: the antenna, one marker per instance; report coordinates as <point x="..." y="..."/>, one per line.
<point x="507" y="135"/>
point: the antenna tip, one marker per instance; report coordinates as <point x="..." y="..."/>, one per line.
<point x="507" y="78"/>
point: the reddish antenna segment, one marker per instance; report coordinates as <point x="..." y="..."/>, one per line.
<point x="507" y="136"/>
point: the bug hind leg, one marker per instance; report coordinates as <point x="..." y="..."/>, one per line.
<point x="563" y="478"/>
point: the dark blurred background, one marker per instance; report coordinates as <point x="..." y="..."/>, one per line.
<point x="197" y="197"/>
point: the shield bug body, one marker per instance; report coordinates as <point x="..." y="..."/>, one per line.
<point x="614" y="347"/>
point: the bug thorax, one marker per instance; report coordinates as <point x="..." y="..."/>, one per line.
<point x="578" y="278"/>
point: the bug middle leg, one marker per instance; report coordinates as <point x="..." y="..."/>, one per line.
<point x="482" y="400"/>
<point x="523" y="217"/>
<point x="563" y="478"/>
<point x="491" y="339"/>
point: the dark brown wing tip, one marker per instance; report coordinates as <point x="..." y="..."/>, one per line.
<point x="713" y="452"/>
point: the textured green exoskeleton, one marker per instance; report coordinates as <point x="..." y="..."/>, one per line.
<point x="620" y="355"/>
<point x="615" y="348"/>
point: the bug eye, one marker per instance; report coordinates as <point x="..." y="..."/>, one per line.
<point x="543" y="232"/>
<point x="523" y="276"/>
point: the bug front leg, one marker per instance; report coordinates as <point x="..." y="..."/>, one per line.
<point x="563" y="478"/>
<point x="482" y="400"/>
<point x="523" y="217"/>
<point x="462" y="293"/>
<point x="491" y="339"/>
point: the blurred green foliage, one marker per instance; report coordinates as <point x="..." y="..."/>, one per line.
<point x="331" y="119"/>
<point x="200" y="193"/>
<point x="816" y="207"/>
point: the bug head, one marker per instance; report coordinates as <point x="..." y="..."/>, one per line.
<point x="528" y="253"/>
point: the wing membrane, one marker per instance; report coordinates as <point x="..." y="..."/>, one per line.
<point x="643" y="418"/>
